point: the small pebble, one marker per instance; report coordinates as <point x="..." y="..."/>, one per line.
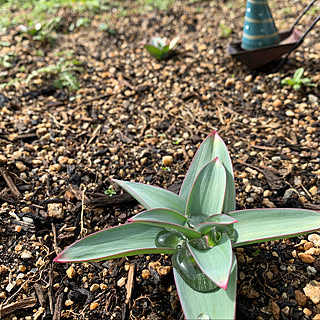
<point x="55" y="210"/>
<point x="68" y="303"/>
<point x="21" y="166"/>
<point x="229" y="82"/>
<point x="311" y="271"/>
<point x="94" y="287"/>
<point x="3" y="159"/>
<point x="306" y="258"/>
<point x="167" y="160"/>
<point x="145" y="274"/>
<point x="277" y="103"/>
<point x="275" y="310"/>
<point x="307" y="312"/>
<point x="300" y="298"/>
<point x="312" y="291"/>
<point x="26" y="254"/>
<point x="94" y="305"/>
<point x="71" y="272"/>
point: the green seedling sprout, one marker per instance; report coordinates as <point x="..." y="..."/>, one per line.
<point x="297" y="81"/>
<point x="160" y="49"/>
<point x="199" y="228"/>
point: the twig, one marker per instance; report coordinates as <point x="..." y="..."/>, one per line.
<point x="129" y="284"/>
<point x="50" y="295"/>
<point x="55" y="246"/>
<point x="58" y="307"/>
<point x="82" y="230"/>
<point x="22" y="304"/>
<point x="6" y="176"/>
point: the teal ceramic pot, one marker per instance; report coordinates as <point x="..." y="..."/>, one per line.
<point x="259" y="28"/>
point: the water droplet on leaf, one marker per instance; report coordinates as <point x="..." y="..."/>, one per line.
<point x="203" y="316"/>
<point x="168" y="239"/>
<point x="190" y="272"/>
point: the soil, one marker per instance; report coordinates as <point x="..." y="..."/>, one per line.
<point x="59" y="149"/>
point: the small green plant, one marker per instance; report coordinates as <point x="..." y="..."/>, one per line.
<point x="225" y="31"/>
<point x="64" y="73"/>
<point x="43" y="32"/>
<point x="297" y="81"/>
<point x="160" y="49"/>
<point x="199" y="227"/>
<point x="6" y="60"/>
<point x="110" y="191"/>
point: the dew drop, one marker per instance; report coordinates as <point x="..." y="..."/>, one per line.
<point x="190" y="272"/>
<point x="201" y="244"/>
<point x="168" y="239"/>
<point x="203" y="316"/>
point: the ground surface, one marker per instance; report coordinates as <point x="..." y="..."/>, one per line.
<point x="59" y="149"/>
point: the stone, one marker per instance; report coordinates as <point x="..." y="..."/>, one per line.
<point x="26" y="254"/>
<point x="316" y="317"/>
<point x="94" y="305"/>
<point x="312" y="98"/>
<point x="21" y="166"/>
<point x="55" y="167"/>
<point x="68" y="303"/>
<point x="55" y="210"/>
<point x="275" y="310"/>
<point x="145" y="274"/>
<point x="306" y="258"/>
<point x="307" y="312"/>
<point x="300" y="298"/>
<point x="229" y="82"/>
<point x="71" y="272"/>
<point x="277" y="103"/>
<point x="313" y="190"/>
<point x="312" y="291"/>
<point x="167" y="160"/>
<point x="315" y="239"/>
<point x="3" y="159"/>
<point x="94" y="287"/>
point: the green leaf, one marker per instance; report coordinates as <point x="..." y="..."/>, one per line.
<point x="173" y="43"/>
<point x="155" y="52"/>
<point x="257" y="225"/>
<point x="121" y="241"/>
<point x="298" y="74"/>
<point x="152" y="197"/>
<point x="219" y="304"/>
<point x="216" y="262"/>
<point x="166" y="218"/>
<point x="212" y="147"/>
<point x="207" y="194"/>
<point x="215" y="220"/>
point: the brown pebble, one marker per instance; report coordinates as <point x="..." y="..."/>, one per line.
<point x="167" y="160"/>
<point x="68" y="303"/>
<point x="307" y="246"/>
<point x="93" y="305"/>
<point x="21" y="166"/>
<point x="145" y="274"/>
<point x="71" y="272"/>
<point x="3" y="159"/>
<point x="300" y="298"/>
<point x="17" y="228"/>
<point x="307" y="312"/>
<point x="163" y="271"/>
<point x="275" y="310"/>
<point x="55" y="167"/>
<point x="94" y="287"/>
<point x="229" y="82"/>
<point x="277" y="103"/>
<point x="306" y="258"/>
<point x="316" y="317"/>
